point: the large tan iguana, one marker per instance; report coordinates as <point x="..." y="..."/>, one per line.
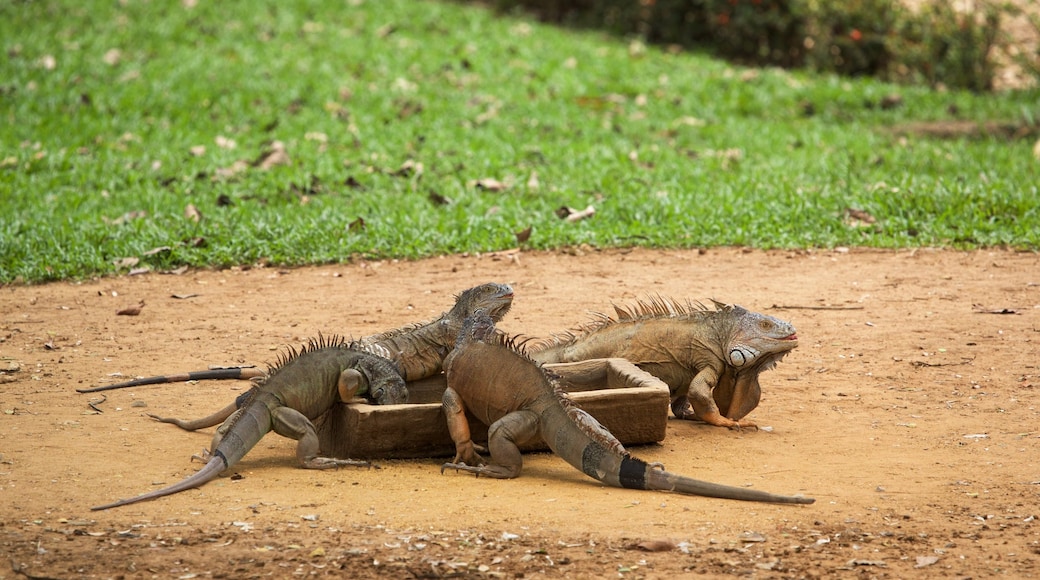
<point x="302" y="386"/>
<point x="519" y="400"/>
<point x="418" y="349"/>
<point x="709" y="357"/>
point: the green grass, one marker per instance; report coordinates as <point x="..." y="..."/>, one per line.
<point x="675" y="150"/>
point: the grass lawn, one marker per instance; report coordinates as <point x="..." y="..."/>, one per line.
<point x="161" y="134"/>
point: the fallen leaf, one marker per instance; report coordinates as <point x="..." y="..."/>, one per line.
<point x="274" y="155"/>
<point x="439" y="199"/>
<point x="192" y="213"/>
<point x="225" y="143"/>
<point x="408" y="169"/>
<point x="197" y="150"/>
<point x="183" y="296"/>
<point x="570" y="214"/>
<point x="131" y="310"/>
<point x="523" y="235"/>
<point x="126" y="262"/>
<point x="356" y="225"/>
<point x="130" y="215"/>
<point x="158" y="250"/>
<point x="489" y="184"/>
<point x="231" y="170"/>
<point x="112" y="57"/>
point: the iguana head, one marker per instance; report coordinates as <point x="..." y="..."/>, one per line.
<point x="493" y="299"/>
<point x="385" y="384"/>
<point x="756" y="342"/>
<point x="754" y="339"/>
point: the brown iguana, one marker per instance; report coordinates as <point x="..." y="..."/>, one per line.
<point x="418" y="349"/>
<point x="493" y="380"/>
<point x="302" y="386"/>
<point x="710" y="358"/>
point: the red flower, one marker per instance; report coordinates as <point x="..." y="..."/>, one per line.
<point x="856" y="35"/>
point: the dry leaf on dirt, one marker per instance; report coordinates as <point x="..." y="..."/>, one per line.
<point x="131" y="310"/>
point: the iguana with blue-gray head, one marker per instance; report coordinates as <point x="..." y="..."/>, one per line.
<point x="303" y="385"/>
<point x="710" y="358"/>
<point x="491" y="379"/>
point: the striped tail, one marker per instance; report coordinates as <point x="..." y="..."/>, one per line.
<point x="213" y="374"/>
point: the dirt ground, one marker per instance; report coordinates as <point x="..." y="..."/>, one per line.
<point x="909" y="410"/>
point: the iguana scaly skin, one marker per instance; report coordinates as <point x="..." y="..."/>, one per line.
<point x="301" y="387"/>
<point x="418" y="348"/>
<point x="710" y="358"/>
<point x="519" y="400"/>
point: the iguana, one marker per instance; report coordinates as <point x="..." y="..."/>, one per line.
<point x="418" y="349"/>
<point x="302" y="386"/>
<point x="710" y="358"/>
<point x="490" y="377"/>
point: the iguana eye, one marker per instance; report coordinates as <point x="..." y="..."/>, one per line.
<point x="378" y="394"/>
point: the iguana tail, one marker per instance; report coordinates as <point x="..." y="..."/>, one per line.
<point x="213" y="374"/>
<point x="588" y="447"/>
<point x="240" y="434"/>
<point x="212" y="469"/>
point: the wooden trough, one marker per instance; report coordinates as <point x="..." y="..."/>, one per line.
<point x="630" y="403"/>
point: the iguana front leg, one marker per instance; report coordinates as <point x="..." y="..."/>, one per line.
<point x="698" y="402"/>
<point x="504" y="436"/>
<point x="458" y="427"/>
<point x="290" y="423"/>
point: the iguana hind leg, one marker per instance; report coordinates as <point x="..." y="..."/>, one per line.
<point x="294" y="425"/>
<point x="504" y="436"/>
<point x="196" y="424"/>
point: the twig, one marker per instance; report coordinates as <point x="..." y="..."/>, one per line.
<point x="95" y="402"/>
<point x="921" y="363"/>
<point x="799" y="307"/>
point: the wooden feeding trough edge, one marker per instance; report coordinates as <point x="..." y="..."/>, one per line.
<point x="630" y="403"/>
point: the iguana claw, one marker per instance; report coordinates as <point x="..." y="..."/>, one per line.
<point x="461" y="467"/>
<point x="202" y="456"/>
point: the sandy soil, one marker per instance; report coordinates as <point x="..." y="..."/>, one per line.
<point x="909" y="411"/>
